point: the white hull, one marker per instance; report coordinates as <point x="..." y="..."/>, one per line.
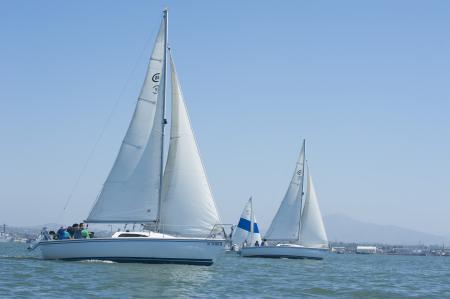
<point x="293" y="252"/>
<point x="136" y="249"/>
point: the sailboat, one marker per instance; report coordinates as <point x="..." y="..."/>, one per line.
<point x="175" y="204"/>
<point x="4" y="237"/>
<point x="247" y="231"/>
<point x="297" y="230"/>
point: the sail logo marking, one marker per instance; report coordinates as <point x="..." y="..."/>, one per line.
<point x="299" y="172"/>
<point x="155" y="77"/>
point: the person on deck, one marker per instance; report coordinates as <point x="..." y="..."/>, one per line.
<point x="84" y="232"/>
<point x="71" y="230"/>
<point x="231" y="231"/>
<point x="60" y="233"/>
<point x="78" y="229"/>
<point x="66" y="235"/>
<point x="52" y="235"/>
<point x="256" y="243"/>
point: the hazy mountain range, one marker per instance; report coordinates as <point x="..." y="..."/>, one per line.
<point x="342" y="228"/>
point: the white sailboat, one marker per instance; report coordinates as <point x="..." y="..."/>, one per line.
<point x="177" y="204"/>
<point x="247" y="231"/>
<point x="297" y="230"/>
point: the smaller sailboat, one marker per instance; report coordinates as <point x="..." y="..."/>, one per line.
<point x="4" y="237"/>
<point x="247" y="230"/>
<point x="297" y="230"/>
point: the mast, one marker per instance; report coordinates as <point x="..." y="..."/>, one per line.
<point x="251" y="221"/>
<point x="166" y="23"/>
<point x="131" y="192"/>
<point x="300" y="190"/>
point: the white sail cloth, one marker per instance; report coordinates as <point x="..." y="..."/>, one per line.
<point x="312" y="232"/>
<point x="285" y="225"/>
<point x="131" y="191"/>
<point x="242" y="232"/>
<point x="187" y="206"/>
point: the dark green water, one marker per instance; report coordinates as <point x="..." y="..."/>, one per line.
<point x="24" y="275"/>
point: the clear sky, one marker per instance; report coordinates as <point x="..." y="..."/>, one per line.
<point x="367" y="83"/>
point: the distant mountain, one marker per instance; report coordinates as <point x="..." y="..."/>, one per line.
<point x="342" y="228"/>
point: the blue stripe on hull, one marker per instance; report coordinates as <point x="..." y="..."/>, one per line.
<point x="146" y="260"/>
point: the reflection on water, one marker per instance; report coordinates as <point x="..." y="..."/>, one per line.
<point x="24" y="274"/>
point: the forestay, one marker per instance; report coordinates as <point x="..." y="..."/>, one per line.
<point x="285" y="225"/>
<point x="187" y="206"/>
<point x="312" y="229"/>
<point x="131" y="191"/>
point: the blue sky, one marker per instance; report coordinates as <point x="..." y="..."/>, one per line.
<point x="365" y="82"/>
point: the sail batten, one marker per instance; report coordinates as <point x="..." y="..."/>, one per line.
<point x="130" y="193"/>
<point x="187" y="205"/>
<point x="285" y="225"/>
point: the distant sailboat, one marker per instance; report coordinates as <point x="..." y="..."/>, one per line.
<point x="177" y="204"/>
<point x="247" y="231"/>
<point x="4" y="237"/>
<point x="297" y="230"/>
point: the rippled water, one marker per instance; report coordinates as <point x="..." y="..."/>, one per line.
<point x="25" y="275"/>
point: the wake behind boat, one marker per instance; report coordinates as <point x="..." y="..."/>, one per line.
<point x="297" y="230"/>
<point x="177" y="203"/>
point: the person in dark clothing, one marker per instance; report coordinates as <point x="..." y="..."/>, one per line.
<point x="60" y="233"/>
<point x="52" y="235"/>
<point x="256" y="244"/>
<point x="72" y="229"/>
<point x="232" y="230"/>
<point x="78" y="229"/>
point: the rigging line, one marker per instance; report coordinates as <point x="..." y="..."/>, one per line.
<point x="102" y="131"/>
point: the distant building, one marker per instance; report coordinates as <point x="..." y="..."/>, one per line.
<point x="366" y="249"/>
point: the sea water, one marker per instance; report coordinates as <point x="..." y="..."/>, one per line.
<point x="24" y="274"/>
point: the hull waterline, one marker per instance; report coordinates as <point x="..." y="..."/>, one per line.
<point x="135" y="250"/>
<point x="285" y="252"/>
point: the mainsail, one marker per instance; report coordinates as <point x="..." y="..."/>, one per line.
<point x="312" y="232"/>
<point x="131" y="191"/>
<point x="243" y="230"/>
<point x="187" y="206"/>
<point x="285" y="225"/>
